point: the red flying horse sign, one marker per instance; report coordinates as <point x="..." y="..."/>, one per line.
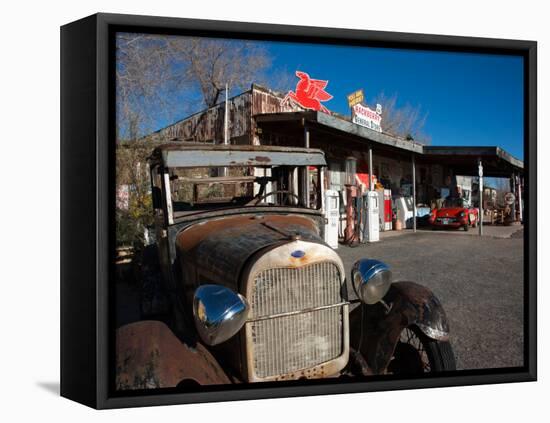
<point x="309" y="93"/>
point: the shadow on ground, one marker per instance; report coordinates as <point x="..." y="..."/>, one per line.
<point x="51" y="387"/>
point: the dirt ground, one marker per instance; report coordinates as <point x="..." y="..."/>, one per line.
<point x="479" y="281"/>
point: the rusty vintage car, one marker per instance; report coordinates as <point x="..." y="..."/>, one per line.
<point x="255" y="294"/>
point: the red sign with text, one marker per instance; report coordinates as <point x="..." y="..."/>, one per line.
<point x="364" y="116"/>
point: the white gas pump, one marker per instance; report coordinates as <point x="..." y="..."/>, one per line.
<point x="332" y="214"/>
<point x="373" y="212"/>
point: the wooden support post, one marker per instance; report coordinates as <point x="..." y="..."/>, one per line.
<point x="168" y="197"/>
<point x="514" y="191"/>
<point x="306" y="172"/>
<point x="480" y="211"/>
<point x="371" y="183"/>
<point x="414" y="191"/>
<point x="520" y="205"/>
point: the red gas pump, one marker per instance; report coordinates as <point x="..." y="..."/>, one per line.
<point x="387" y="210"/>
<point x="351" y="195"/>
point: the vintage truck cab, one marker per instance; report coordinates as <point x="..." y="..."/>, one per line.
<point x="255" y="293"/>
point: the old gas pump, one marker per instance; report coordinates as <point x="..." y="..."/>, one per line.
<point x="372" y="226"/>
<point x="332" y="215"/>
<point x="351" y="195"/>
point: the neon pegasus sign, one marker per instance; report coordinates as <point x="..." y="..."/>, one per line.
<point x="309" y="93"/>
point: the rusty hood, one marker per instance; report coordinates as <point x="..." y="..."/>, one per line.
<point x="215" y="251"/>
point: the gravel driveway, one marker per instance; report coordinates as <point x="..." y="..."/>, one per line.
<point x="479" y="280"/>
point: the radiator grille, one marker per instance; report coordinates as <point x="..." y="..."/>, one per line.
<point x="292" y="289"/>
<point x="286" y="344"/>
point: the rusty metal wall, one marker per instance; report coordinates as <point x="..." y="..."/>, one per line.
<point x="208" y="125"/>
<point x="267" y="101"/>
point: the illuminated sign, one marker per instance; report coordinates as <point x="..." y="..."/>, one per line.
<point x="309" y="93"/>
<point x="364" y="116"/>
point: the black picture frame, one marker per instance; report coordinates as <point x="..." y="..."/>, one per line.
<point x="87" y="175"/>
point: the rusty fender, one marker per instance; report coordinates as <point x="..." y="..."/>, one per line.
<point x="411" y="304"/>
<point x="149" y="355"/>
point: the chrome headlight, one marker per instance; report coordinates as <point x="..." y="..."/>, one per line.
<point x="219" y="313"/>
<point x="371" y="280"/>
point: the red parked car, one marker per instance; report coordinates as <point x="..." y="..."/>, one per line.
<point x="454" y="215"/>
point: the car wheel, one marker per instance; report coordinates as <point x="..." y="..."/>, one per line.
<point x="466" y="227"/>
<point x="416" y="353"/>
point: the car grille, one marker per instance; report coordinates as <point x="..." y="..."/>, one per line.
<point x="296" y="341"/>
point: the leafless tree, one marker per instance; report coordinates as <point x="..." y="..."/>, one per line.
<point x="213" y="63"/>
<point x="405" y="121"/>
<point x="163" y="78"/>
<point x="142" y="66"/>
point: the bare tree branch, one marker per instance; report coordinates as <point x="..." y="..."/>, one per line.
<point x="405" y="121"/>
<point x="163" y="78"/>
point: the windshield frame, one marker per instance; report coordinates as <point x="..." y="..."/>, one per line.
<point x="269" y="177"/>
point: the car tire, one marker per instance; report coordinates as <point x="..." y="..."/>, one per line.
<point x="440" y="353"/>
<point x="416" y="353"/>
<point x="466" y="227"/>
<point x="442" y="356"/>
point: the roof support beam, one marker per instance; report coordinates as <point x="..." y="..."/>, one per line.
<point x="414" y="190"/>
<point x="306" y="171"/>
<point x="480" y="211"/>
<point x="371" y="183"/>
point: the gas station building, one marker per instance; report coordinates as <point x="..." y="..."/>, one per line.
<point x="403" y="168"/>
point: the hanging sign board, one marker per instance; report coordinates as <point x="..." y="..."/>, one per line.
<point x="355" y="98"/>
<point x="364" y="116"/>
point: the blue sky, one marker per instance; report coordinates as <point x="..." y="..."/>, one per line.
<point x="470" y="99"/>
